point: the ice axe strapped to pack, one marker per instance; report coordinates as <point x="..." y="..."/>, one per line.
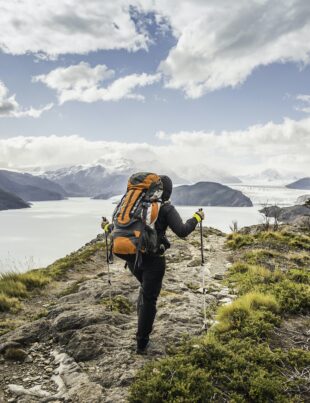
<point x="135" y="216"/>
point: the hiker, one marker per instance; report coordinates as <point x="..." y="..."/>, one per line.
<point x="149" y="267"/>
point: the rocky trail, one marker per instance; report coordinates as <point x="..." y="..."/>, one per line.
<point x="81" y="351"/>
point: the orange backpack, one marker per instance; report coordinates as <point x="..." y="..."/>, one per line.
<point x="135" y="216"/>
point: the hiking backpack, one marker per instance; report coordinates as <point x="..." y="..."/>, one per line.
<point x="135" y="216"/>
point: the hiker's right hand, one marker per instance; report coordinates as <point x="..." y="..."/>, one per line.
<point x="105" y="225"/>
<point x="199" y="215"/>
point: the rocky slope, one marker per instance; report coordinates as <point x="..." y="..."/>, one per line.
<point x="29" y="187"/>
<point x="209" y="194"/>
<point x="81" y="351"/>
<point x="10" y="201"/>
<point x="68" y="345"/>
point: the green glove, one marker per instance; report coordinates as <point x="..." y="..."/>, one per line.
<point x="199" y="215"/>
<point x="105" y="225"/>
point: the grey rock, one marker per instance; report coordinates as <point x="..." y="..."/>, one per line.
<point x="286" y="214"/>
<point x="302" y="199"/>
<point x="29" y="332"/>
<point x="28" y="359"/>
<point x="218" y="276"/>
<point x="8" y="344"/>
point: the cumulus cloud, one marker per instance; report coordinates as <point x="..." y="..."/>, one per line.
<point x="82" y="83"/>
<point x="56" y="27"/>
<point x="305" y="103"/>
<point x="9" y="107"/>
<point x="284" y="146"/>
<point x="220" y="43"/>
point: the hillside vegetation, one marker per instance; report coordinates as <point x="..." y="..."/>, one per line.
<point x="257" y="350"/>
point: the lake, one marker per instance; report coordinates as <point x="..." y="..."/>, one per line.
<point x="37" y="236"/>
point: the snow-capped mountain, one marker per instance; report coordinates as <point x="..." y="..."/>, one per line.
<point x="106" y="177"/>
<point x="88" y="180"/>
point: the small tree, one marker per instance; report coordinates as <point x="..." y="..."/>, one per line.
<point x="276" y="212"/>
<point x="265" y="213"/>
<point x="234" y="226"/>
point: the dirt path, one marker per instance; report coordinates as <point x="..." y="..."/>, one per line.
<point x="83" y="352"/>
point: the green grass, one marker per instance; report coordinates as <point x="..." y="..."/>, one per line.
<point x="9" y="303"/>
<point x="269" y="239"/>
<point x="250" y="315"/>
<point x="235" y="361"/>
<point x="236" y="240"/>
<point x="72" y="288"/>
<point x="118" y="303"/>
<point x="14" y="287"/>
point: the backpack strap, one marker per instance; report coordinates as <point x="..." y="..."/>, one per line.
<point x="138" y="258"/>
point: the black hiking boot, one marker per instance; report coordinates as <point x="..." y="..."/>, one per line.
<point x="142" y="346"/>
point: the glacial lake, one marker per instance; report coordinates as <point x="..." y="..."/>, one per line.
<point x="37" y="236"/>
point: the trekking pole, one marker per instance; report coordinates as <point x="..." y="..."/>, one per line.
<point x="204" y="305"/>
<point x="108" y="264"/>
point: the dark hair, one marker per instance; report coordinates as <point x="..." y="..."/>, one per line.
<point x="167" y="184"/>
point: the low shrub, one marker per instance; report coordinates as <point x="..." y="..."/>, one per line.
<point x="119" y="303"/>
<point x="8" y="303"/>
<point x="13" y="288"/>
<point x="207" y="369"/>
<point x="234" y="361"/>
<point x="252" y="314"/>
<point x="237" y="240"/>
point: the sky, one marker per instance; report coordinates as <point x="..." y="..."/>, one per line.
<point x="200" y="85"/>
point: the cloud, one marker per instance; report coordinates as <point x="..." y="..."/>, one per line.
<point x="305" y="100"/>
<point x="220" y="43"/>
<point x="9" y="107"/>
<point x="284" y="146"/>
<point x="56" y="27"/>
<point x="82" y="83"/>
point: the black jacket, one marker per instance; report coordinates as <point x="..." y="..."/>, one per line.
<point x="169" y="217"/>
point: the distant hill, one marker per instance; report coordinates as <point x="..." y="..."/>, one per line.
<point x="303" y="183"/>
<point x="209" y="194"/>
<point x="10" y="201"/>
<point x="29" y="187"/>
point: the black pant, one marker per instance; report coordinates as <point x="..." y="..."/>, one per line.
<point x="150" y="275"/>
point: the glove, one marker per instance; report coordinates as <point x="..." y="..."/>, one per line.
<point x="105" y="225"/>
<point x="199" y="215"/>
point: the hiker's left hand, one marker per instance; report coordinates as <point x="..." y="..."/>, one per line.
<point x="199" y="215"/>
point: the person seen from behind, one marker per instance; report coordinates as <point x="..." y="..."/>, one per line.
<point x="151" y="268"/>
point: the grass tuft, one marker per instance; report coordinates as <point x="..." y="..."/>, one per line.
<point x="9" y="303"/>
<point x="119" y="304"/>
